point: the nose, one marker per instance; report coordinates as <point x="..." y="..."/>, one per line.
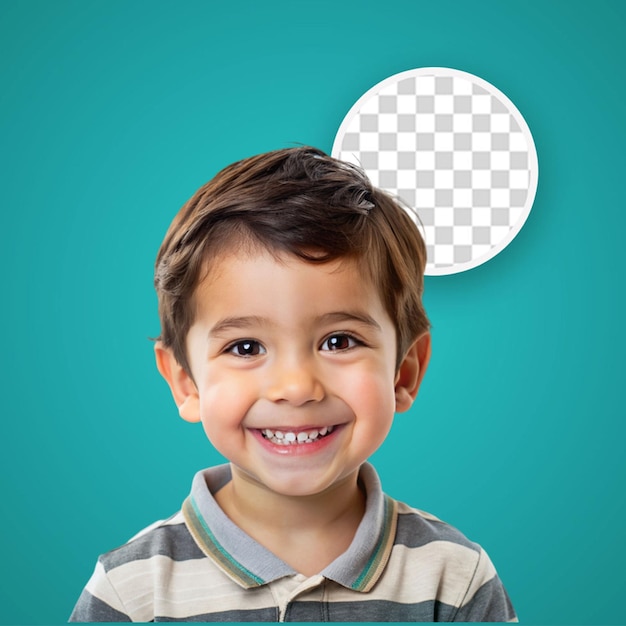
<point x="295" y="383"/>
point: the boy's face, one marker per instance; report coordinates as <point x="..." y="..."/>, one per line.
<point x="293" y="365"/>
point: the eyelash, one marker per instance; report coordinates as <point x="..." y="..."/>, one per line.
<point x="259" y="349"/>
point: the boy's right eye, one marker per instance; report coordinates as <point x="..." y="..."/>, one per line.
<point x="246" y="348"/>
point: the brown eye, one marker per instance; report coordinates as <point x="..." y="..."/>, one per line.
<point x="246" y="348"/>
<point x="339" y="342"/>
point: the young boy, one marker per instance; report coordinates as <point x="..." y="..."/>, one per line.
<point x="292" y="327"/>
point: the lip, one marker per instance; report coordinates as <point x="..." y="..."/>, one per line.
<point x="297" y="449"/>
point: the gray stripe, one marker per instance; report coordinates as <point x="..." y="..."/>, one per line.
<point x="415" y="531"/>
<point x="491" y="603"/>
<point x="388" y="611"/>
<point x="369" y="611"/>
<point x="90" y="609"/>
<point x="240" y="615"/>
<point x="173" y="541"/>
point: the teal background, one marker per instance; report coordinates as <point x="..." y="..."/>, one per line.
<point x="112" y="113"/>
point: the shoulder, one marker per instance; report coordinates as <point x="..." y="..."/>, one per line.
<point x="166" y="538"/>
<point x="453" y="571"/>
<point x="417" y="528"/>
<point x="438" y="549"/>
<point x="123" y="579"/>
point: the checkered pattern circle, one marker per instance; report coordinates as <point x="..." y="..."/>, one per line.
<point x="453" y="148"/>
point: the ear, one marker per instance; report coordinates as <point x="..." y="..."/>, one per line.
<point x="411" y="371"/>
<point x="181" y="384"/>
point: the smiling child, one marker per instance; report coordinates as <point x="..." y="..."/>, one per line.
<point x="290" y="299"/>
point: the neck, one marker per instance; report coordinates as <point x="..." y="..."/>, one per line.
<point x="325" y="522"/>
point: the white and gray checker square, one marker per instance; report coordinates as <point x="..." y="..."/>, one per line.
<point x="453" y="148"/>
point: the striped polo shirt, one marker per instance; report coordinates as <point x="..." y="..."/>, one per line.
<point x="402" y="565"/>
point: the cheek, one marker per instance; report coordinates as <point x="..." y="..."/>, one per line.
<point x="373" y="401"/>
<point x="223" y="406"/>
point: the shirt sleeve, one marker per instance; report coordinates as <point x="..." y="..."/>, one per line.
<point x="99" y="602"/>
<point x="486" y="599"/>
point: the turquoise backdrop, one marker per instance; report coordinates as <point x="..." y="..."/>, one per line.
<point x="113" y="112"/>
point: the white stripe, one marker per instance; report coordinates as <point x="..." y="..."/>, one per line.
<point x="100" y="587"/>
<point x="439" y="570"/>
<point x="485" y="571"/>
<point x="160" y="586"/>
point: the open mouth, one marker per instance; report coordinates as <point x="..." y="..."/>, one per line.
<point x="290" y="438"/>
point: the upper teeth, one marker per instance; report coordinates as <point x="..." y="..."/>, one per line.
<point x="286" y="438"/>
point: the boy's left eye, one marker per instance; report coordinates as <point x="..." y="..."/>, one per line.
<point x="339" y="342"/>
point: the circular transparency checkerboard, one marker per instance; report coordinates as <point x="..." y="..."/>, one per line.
<point x="454" y="149"/>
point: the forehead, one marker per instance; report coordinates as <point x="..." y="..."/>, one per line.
<point x="257" y="280"/>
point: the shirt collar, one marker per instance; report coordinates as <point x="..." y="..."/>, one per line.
<point x="249" y="564"/>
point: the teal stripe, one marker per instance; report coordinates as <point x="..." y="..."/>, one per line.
<point x="359" y="582"/>
<point x="236" y="565"/>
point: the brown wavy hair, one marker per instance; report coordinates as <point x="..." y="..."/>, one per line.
<point x="301" y="202"/>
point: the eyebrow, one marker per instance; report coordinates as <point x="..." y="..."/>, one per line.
<point x="236" y="323"/>
<point x="248" y="321"/>
<point x="349" y="316"/>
